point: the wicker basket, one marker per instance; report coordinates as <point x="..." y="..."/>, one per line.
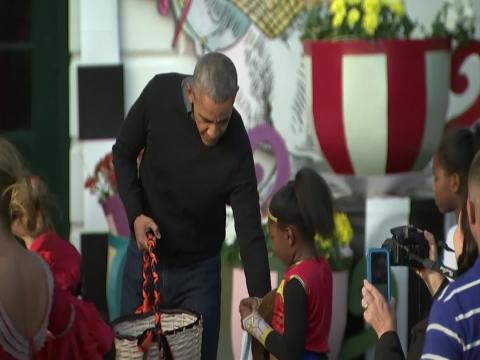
<point x="182" y="329"/>
<point x="178" y="333"/>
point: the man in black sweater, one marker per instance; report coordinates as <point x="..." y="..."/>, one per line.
<point x="197" y="159"/>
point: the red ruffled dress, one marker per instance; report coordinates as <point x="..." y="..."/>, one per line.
<point x="76" y="330"/>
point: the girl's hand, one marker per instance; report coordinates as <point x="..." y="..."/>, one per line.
<point x="377" y="312"/>
<point x="247" y="306"/>
<point x="432" y="279"/>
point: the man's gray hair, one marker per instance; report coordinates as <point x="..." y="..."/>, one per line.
<point x="215" y="76"/>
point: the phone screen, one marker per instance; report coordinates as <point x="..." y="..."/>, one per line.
<point x="379" y="274"/>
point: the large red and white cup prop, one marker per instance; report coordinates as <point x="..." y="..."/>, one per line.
<point x="378" y="107"/>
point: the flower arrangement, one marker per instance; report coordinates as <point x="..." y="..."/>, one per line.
<point x="456" y="19"/>
<point x="335" y="249"/>
<point x="103" y="183"/>
<point x="358" y="19"/>
<point x="384" y="19"/>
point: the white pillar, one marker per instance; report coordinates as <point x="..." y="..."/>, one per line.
<point x="99" y="32"/>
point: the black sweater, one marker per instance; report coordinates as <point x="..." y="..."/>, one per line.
<point x="184" y="185"/>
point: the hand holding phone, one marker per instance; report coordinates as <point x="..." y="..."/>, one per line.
<point x="377" y="312"/>
<point x="378" y="270"/>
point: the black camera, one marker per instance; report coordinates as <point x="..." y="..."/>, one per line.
<point x="407" y="246"/>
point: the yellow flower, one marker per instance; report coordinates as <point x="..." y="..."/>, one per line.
<point x="324" y="243"/>
<point x="353" y="17"/>
<point x="353" y="2"/>
<point x="370" y="23"/>
<point x="338" y="7"/>
<point x="342" y="235"/>
<point x="337" y="20"/>
<point x="397" y="7"/>
<point x="371" y="6"/>
<point x="343" y="229"/>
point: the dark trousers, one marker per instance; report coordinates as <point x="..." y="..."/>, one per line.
<point x="195" y="287"/>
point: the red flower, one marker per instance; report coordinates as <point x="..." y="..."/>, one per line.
<point x="90" y="182"/>
<point x="103" y="183"/>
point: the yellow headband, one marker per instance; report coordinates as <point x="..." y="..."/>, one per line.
<point x="271" y="217"/>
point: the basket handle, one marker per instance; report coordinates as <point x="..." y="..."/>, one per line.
<point x="150" y="262"/>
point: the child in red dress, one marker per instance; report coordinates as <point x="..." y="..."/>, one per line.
<point x="76" y="329"/>
<point x="302" y="311"/>
<point x="26" y="281"/>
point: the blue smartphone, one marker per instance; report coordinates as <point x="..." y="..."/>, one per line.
<point x="378" y="270"/>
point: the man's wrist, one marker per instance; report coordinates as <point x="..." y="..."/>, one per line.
<point x="137" y="218"/>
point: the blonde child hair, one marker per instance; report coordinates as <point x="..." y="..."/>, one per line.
<point x="24" y="198"/>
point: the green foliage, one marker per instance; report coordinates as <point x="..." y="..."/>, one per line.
<point x="455" y="20"/>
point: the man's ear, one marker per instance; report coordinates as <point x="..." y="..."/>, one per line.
<point x="454" y="182"/>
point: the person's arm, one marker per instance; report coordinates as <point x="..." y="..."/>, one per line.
<point x="417" y="339"/>
<point x="389" y="347"/>
<point x="380" y="315"/>
<point x="246" y="211"/>
<point x="433" y="280"/>
<point x="290" y="345"/>
<point x="130" y="141"/>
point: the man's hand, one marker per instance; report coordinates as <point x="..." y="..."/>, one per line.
<point x="142" y="225"/>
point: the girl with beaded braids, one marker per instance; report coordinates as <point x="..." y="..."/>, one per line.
<point x="302" y="311"/>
